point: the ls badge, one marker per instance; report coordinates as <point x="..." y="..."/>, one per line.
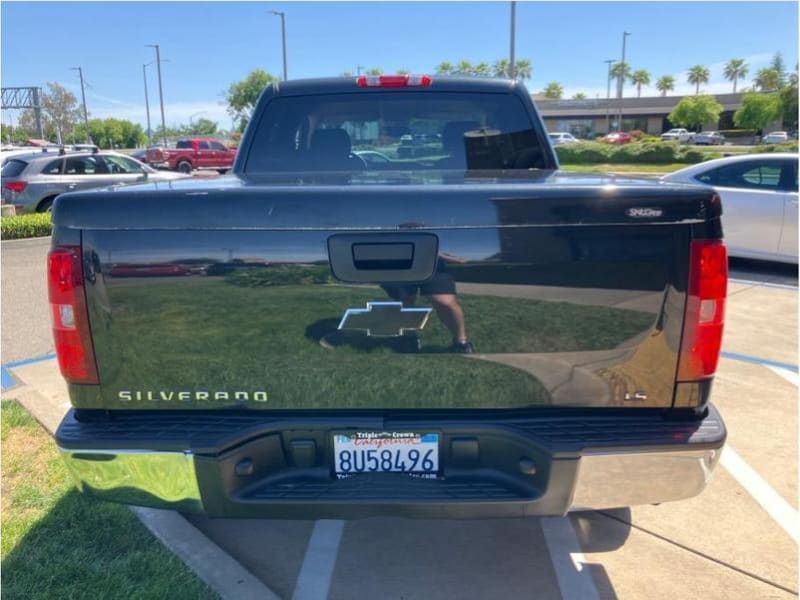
<point x="388" y="319"/>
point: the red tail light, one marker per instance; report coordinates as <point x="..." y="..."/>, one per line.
<point x="70" y="315"/>
<point x="390" y="81"/>
<point x="16" y="186"/>
<point x="705" y="310"/>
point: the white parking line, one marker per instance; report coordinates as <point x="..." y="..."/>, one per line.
<point x="779" y="509"/>
<point x="565" y="553"/>
<point x="316" y="572"/>
<point x="788" y="375"/>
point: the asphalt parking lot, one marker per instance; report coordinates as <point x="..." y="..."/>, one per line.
<point x="736" y="540"/>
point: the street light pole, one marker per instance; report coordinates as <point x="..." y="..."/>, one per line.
<point x="147" y="105"/>
<point x="621" y="83"/>
<point x="282" y="15"/>
<point x="85" y="112"/>
<point x="160" y="93"/>
<point x="608" y="62"/>
<point x="512" y="68"/>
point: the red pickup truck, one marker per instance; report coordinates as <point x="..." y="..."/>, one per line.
<point x="193" y="153"/>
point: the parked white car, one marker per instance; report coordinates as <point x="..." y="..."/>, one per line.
<point x="776" y="137"/>
<point x="681" y="135"/>
<point x="557" y="138"/>
<point x="759" y="202"/>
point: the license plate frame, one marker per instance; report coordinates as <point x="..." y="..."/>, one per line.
<point x="368" y="453"/>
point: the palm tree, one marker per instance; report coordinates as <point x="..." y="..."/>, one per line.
<point x="621" y="72"/>
<point x="640" y="78"/>
<point x="502" y="68"/>
<point x="579" y="96"/>
<point x="553" y="91"/>
<point x="698" y="74"/>
<point x="665" y="84"/>
<point x="767" y="80"/>
<point x="374" y="71"/>
<point x="403" y="71"/>
<point x="482" y="69"/>
<point x="735" y="69"/>
<point x="464" y="67"/>
<point x="346" y="74"/>
<point x="444" y="68"/>
<point x="522" y="68"/>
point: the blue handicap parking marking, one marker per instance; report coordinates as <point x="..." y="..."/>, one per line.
<point x="8" y="380"/>
<point x="759" y="361"/>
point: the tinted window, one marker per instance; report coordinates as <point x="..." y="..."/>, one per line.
<point x="13" y="168"/>
<point x="217" y="146"/>
<point x="53" y="168"/>
<point x="183" y="144"/>
<point x="202" y="146"/>
<point x="84" y="165"/>
<point x="415" y="130"/>
<point x="122" y="164"/>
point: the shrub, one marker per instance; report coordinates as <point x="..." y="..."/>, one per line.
<point x="584" y="153"/>
<point x="790" y="146"/>
<point x="738" y="133"/>
<point x="25" y="226"/>
<point x="637" y="134"/>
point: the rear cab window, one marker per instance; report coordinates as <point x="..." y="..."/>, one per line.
<point x="13" y="168"/>
<point x="406" y="130"/>
<point x="758" y="175"/>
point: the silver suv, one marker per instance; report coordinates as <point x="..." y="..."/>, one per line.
<point x="31" y="182"/>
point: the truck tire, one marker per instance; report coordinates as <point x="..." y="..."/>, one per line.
<point x="46" y="205"/>
<point x="184" y="167"/>
<point x="222" y="171"/>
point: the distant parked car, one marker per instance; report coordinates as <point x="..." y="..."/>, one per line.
<point x="558" y="138"/>
<point x="140" y="155"/>
<point x="776" y="137"/>
<point x="193" y="153"/>
<point x="32" y="181"/>
<point x="617" y="137"/>
<point x="681" y="135"/>
<point x="759" y="202"/>
<point x="709" y="138"/>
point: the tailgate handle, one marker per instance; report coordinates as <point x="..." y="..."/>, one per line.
<point x="383" y="257"/>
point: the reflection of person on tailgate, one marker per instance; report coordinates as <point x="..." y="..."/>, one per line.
<point x="441" y="291"/>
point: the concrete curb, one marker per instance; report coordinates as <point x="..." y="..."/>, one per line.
<point x="47" y="401"/>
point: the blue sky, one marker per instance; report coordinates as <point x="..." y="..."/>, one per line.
<point x="211" y="44"/>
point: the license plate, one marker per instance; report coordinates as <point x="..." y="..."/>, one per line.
<point x="386" y="452"/>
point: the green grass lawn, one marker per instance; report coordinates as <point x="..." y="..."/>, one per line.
<point x="271" y="330"/>
<point x="57" y="543"/>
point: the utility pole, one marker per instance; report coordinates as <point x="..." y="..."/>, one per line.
<point x="160" y="93"/>
<point x="147" y="104"/>
<point x="512" y="68"/>
<point x="358" y="69"/>
<point x="621" y="82"/>
<point x="282" y="15"/>
<point x="608" y="62"/>
<point x="83" y="97"/>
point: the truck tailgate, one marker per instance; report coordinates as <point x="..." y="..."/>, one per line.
<point x="324" y="296"/>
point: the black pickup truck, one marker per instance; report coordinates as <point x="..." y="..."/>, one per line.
<point x="344" y="329"/>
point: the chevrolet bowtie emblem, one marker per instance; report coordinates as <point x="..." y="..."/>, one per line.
<point x="385" y="319"/>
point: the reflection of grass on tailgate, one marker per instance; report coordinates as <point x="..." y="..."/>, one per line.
<point x="217" y="336"/>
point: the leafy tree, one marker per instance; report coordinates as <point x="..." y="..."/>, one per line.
<point x="202" y="126"/>
<point x="621" y="72"/>
<point x="464" y="67"/>
<point x="553" y="91"/>
<point x="757" y="110"/>
<point x="346" y="74"/>
<point x="789" y="107"/>
<point x="523" y="69"/>
<point x="374" y="71"/>
<point x="243" y="95"/>
<point x="61" y="108"/>
<point x="735" y="69"/>
<point x="13" y="135"/>
<point x="639" y="78"/>
<point x="502" y="68"/>
<point x="26" y="123"/>
<point x="403" y="71"/>
<point x="698" y="74"/>
<point x="693" y="111"/>
<point x="779" y="67"/>
<point x="579" y="96"/>
<point x="444" y="68"/>
<point x="767" y="80"/>
<point x="110" y="133"/>
<point x="482" y="69"/>
<point x="665" y="84"/>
